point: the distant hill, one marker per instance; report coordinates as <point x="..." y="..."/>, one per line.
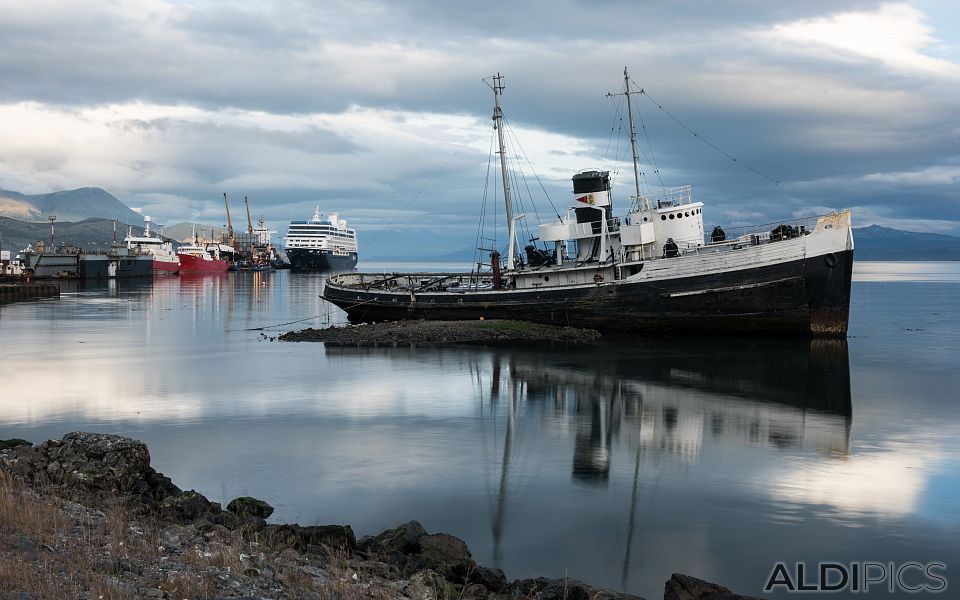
<point x="86" y="234"/>
<point x="883" y="243"/>
<point x="71" y="205"/>
<point x="184" y="231"/>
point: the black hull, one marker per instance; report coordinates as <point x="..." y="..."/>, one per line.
<point x="98" y="266"/>
<point x="305" y="259"/>
<point x="801" y="297"/>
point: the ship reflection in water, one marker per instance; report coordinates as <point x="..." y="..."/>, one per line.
<point x="666" y="399"/>
<point x="661" y="408"/>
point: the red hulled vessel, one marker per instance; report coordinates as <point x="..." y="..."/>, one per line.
<point x="197" y="258"/>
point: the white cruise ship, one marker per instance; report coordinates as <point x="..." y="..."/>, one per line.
<point x="321" y="244"/>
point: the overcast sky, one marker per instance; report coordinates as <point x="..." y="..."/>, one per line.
<point x="377" y="109"/>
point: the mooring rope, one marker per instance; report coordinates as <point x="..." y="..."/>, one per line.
<point x="299" y="320"/>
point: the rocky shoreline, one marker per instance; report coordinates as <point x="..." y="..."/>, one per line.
<point x="86" y="516"/>
<point x="424" y="332"/>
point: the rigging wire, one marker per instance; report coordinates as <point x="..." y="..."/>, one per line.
<point x="415" y="196"/>
<point x="526" y="158"/>
<point x="704" y="140"/>
<point x="613" y="127"/>
<point x="653" y="160"/>
<point x="478" y="252"/>
<point x="515" y="186"/>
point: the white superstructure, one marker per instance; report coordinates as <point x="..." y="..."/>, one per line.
<point x="321" y="233"/>
<point x="164" y="257"/>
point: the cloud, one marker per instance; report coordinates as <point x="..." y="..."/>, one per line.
<point x="888" y="483"/>
<point x="936" y="175"/>
<point x="895" y="35"/>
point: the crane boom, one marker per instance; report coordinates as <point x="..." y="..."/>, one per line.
<point x="229" y="222"/>
<point x="249" y="222"/>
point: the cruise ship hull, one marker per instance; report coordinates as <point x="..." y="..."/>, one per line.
<point x="311" y="259"/>
<point x="808" y="296"/>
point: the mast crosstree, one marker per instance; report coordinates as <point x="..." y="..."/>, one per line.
<point x="633" y="131"/>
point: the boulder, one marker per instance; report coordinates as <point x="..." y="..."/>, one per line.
<point x="685" y="587"/>
<point x="445" y="554"/>
<point x="250" y="524"/>
<point x="492" y="579"/>
<point x="90" y="462"/>
<point x="225" y="519"/>
<point x="314" y="539"/>
<point x="158" y="485"/>
<point x="101" y="459"/>
<point x="444" y="548"/>
<point x="404" y="539"/>
<point x="188" y="506"/>
<point x="13" y="443"/>
<point x="543" y="588"/>
<point x="339" y="537"/>
<point x="245" y="506"/>
<point x="374" y="568"/>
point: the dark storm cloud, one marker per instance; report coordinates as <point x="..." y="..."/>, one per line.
<point x="286" y="57"/>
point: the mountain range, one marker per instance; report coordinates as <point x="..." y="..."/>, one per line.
<point x="70" y="205"/>
<point x="884" y="243"/>
<point x="85" y="217"/>
<point x="86" y="234"/>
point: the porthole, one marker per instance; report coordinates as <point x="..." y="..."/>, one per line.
<point x="686" y="214"/>
<point x="546" y="278"/>
<point x="663" y="217"/>
<point x="644" y="219"/>
<point x="671" y="215"/>
<point x="679" y="215"/>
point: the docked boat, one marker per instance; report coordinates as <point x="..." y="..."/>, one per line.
<point x="50" y="261"/>
<point x="198" y="257"/>
<point x="263" y="254"/>
<point x="165" y="260"/>
<point x="69" y="262"/>
<point x="651" y="270"/>
<point x="321" y="244"/>
<point x="116" y="263"/>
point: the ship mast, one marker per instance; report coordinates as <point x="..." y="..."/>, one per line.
<point x="498" y="125"/>
<point x="633" y="131"/>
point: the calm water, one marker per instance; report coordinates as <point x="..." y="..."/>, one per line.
<point x="617" y="465"/>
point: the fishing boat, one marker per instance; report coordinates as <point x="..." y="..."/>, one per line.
<point x="323" y="243"/>
<point x="652" y="270"/>
<point x="165" y="261"/>
<point x="198" y="257"/>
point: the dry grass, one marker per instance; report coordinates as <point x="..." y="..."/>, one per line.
<point x="53" y="549"/>
<point x="50" y="548"/>
<point x="35" y="559"/>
